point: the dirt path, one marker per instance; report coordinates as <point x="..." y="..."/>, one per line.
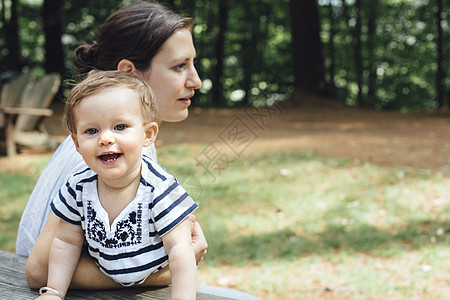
<point x="386" y="138"/>
<point x="390" y="139"/>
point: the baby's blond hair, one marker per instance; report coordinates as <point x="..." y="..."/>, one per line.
<point x="100" y="81"/>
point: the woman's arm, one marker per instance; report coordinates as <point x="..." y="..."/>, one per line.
<point x="87" y="275"/>
<point x="178" y="244"/>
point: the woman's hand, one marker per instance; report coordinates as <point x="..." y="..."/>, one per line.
<point x="198" y="239"/>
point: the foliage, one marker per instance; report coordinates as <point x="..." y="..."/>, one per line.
<point x="404" y="52"/>
<point x="398" y="59"/>
<point x="257" y="50"/>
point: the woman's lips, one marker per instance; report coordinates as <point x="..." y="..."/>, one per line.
<point x="186" y="101"/>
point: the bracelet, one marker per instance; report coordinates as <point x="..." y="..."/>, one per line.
<point x="44" y="290"/>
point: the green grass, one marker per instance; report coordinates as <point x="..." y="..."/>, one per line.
<point x="296" y="225"/>
<point x="15" y="188"/>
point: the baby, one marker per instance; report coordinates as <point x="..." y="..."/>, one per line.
<point x="131" y="212"/>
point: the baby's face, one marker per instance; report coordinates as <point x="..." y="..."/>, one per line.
<point x="110" y="132"/>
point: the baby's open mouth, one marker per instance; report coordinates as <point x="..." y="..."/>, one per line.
<point x="110" y="156"/>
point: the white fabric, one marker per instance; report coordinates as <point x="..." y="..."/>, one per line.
<point x="64" y="162"/>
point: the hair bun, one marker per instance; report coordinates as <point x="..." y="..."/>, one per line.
<point x="85" y="58"/>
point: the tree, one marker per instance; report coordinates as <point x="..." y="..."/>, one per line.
<point x="371" y="45"/>
<point x="11" y="33"/>
<point x="358" y="51"/>
<point x="169" y="3"/>
<point x="385" y="54"/>
<point x="331" y="48"/>
<point x="219" y="50"/>
<point x="440" y="76"/>
<point x="54" y="53"/>
<point x="251" y="53"/>
<point x="307" y="46"/>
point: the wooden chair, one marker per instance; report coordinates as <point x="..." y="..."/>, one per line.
<point x="12" y="93"/>
<point x="24" y="103"/>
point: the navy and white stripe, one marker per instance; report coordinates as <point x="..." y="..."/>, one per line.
<point x="131" y="248"/>
<point x="64" y="162"/>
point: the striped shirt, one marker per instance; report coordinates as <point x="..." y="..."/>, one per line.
<point x="131" y="248"/>
<point x="64" y="162"/>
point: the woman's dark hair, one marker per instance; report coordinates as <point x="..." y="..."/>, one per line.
<point x="135" y="32"/>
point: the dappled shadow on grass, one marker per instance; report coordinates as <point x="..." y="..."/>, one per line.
<point x="286" y="244"/>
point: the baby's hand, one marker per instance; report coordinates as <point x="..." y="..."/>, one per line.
<point x="48" y="297"/>
<point x="47" y="293"/>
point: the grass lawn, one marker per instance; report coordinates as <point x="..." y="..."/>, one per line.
<point x="296" y="225"/>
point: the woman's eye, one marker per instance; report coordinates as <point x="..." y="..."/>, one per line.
<point x="180" y="67"/>
<point x="91" y="131"/>
<point x="120" y="127"/>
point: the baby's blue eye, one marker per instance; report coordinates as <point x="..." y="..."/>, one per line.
<point x="91" y="131"/>
<point x="120" y="127"/>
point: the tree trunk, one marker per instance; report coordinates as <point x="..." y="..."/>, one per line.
<point x="440" y="70"/>
<point x="12" y="59"/>
<point x="358" y="52"/>
<point x="331" y="47"/>
<point x="371" y="44"/>
<point x="170" y="4"/>
<point x="348" y="56"/>
<point x="219" y="51"/>
<point x="308" y="60"/>
<point x="54" y="53"/>
<point x="249" y="52"/>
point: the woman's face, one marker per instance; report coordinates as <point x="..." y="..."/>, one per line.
<point x="173" y="77"/>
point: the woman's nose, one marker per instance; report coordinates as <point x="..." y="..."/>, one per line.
<point x="193" y="81"/>
<point x="106" y="138"/>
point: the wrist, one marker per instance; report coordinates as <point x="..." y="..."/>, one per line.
<point x="50" y="293"/>
<point x="49" y="297"/>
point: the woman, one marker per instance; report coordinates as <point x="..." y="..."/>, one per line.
<point x="152" y="42"/>
<point x="156" y="44"/>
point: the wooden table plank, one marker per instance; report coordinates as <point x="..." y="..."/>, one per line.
<point x="13" y="286"/>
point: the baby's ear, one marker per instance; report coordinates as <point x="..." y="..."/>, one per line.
<point x="151" y="131"/>
<point x="75" y="140"/>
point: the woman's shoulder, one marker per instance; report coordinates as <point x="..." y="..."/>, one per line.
<point x="150" y="152"/>
<point x="67" y="162"/>
<point x="66" y="157"/>
<point x="64" y="162"/>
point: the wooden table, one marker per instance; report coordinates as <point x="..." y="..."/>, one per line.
<point x="14" y="287"/>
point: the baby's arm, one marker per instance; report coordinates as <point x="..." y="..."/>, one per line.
<point x="64" y="255"/>
<point x="183" y="270"/>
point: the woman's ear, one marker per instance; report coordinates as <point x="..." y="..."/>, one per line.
<point x="151" y="131"/>
<point x="126" y="65"/>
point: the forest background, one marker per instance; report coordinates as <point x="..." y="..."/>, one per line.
<point x="379" y="54"/>
<point x="336" y="194"/>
